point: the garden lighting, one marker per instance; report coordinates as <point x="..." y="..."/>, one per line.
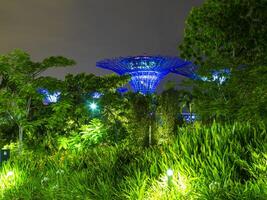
<point x="93" y="106"/>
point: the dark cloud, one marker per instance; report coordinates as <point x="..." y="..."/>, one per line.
<point x="90" y="30"/>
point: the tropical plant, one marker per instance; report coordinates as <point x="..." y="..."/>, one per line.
<point x="168" y="110"/>
<point x="89" y="135"/>
<point x="228" y="34"/>
<point x="18" y="86"/>
<point x="202" y="162"/>
<point x="93" y="133"/>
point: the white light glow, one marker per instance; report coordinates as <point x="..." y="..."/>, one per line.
<point x="93" y="106"/>
<point x="10" y="173"/>
<point x="53" y="98"/>
<point x="182" y="182"/>
<point x="169" y="172"/>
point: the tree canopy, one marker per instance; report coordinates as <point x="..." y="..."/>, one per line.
<point x="22" y="109"/>
<point x="18" y="86"/>
<point x="224" y="34"/>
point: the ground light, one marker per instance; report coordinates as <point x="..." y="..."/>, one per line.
<point x="176" y="180"/>
<point x="173" y="184"/>
<point x="10" y="173"/>
<point x="10" y="178"/>
<point x="182" y="182"/>
<point x="169" y="175"/>
<point x="169" y="172"/>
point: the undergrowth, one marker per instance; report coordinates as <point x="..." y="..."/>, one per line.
<point x="216" y="162"/>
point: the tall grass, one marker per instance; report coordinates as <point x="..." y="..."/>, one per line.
<point x="217" y="162"/>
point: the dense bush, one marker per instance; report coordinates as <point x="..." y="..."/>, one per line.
<point x="89" y="135"/>
<point x="222" y="34"/>
<point x="217" y="162"/>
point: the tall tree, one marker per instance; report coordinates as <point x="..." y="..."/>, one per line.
<point x="229" y="34"/>
<point x="168" y="110"/>
<point x="223" y="33"/>
<point x="18" y="87"/>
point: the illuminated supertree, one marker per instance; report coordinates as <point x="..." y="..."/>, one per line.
<point x="48" y="97"/>
<point x="188" y="70"/>
<point x="146" y="71"/>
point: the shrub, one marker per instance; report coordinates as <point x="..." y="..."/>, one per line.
<point x="90" y="135"/>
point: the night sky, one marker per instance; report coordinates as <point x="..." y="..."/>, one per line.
<point x="90" y="30"/>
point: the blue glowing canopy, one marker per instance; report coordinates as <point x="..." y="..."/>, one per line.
<point x="96" y="95"/>
<point x="146" y="71"/>
<point x="188" y="70"/>
<point x="122" y="90"/>
<point x="48" y="97"/>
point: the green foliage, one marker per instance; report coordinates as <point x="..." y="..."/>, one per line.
<point x="223" y="34"/>
<point x="217" y="162"/>
<point x="89" y="135"/>
<point x="168" y="110"/>
<point x="140" y="118"/>
<point x="229" y="34"/>
<point x="18" y="87"/>
<point x="24" y="110"/>
<point x="93" y="133"/>
<point x="115" y="113"/>
<point x="73" y="105"/>
<point x="60" y="176"/>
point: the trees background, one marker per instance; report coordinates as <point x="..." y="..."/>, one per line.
<point x="23" y="110"/>
<point x="218" y="35"/>
<point x="18" y="88"/>
<point x="229" y="34"/>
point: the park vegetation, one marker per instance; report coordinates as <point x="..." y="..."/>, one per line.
<point x="95" y="142"/>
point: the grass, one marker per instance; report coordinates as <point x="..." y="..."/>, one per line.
<point x="217" y="162"/>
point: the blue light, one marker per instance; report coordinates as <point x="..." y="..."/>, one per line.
<point x="189" y="117"/>
<point x="42" y="91"/>
<point x="122" y="90"/>
<point x="188" y="70"/>
<point x="96" y="95"/>
<point x="145" y="82"/>
<point x="218" y="76"/>
<point x="54" y="97"/>
<point x="49" y="97"/>
<point x="146" y="71"/>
